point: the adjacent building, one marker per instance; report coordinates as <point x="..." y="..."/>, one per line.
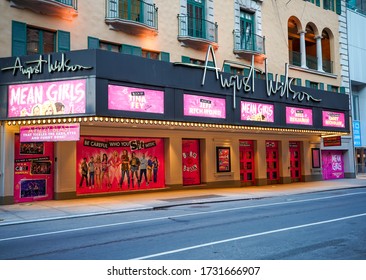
<point x="119" y="96"/>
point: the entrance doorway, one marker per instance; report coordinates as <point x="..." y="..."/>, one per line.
<point x="272" y="159"/>
<point x="246" y="150"/>
<point x="295" y="161"/>
<point x="361" y="160"/>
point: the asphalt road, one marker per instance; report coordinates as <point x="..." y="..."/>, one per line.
<point x="327" y="225"/>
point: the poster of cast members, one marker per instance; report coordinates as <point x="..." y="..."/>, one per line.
<point x="33" y="171"/>
<point x="111" y="164"/>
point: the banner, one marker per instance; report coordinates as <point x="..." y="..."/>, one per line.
<point x="299" y="116"/>
<point x="50" y="98"/>
<point x="111" y="164"/>
<point x="203" y="106"/>
<point x="50" y="133"/>
<point x="33" y="171"/>
<point x="252" y="111"/>
<point x="333" y="119"/>
<point x="135" y="99"/>
<point x="191" y="162"/>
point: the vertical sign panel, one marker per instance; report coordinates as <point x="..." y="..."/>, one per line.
<point x="191" y="162"/>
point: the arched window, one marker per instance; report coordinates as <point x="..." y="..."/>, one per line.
<point x="326" y="52"/>
<point x="294" y="42"/>
<point x="311" y="50"/>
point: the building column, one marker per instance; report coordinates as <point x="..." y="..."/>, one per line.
<point x="303" y="49"/>
<point x="319" y="54"/>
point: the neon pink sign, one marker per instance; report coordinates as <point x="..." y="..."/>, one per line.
<point x="50" y="133"/>
<point x="135" y="99"/>
<point x="251" y="111"/>
<point x="299" y="116"/>
<point x="333" y="165"/>
<point x="203" y="106"/>
<point x="50" y="98"/>
<point x="333" y="119"/>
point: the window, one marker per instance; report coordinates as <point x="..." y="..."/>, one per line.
<point x="109" y="46"/>
<point x="40" y="41"/>
<point x="196" y="17"/>
<point x="356" y="107"/>
<point x="246" y="30"/>
<point x="33" y="40"/>
<point x="236" y="71"/>
<point x="131" y="10"/>
<point x="150" y="54"/>
<point x="329" y="5"/>
<point x="314" y="85"/>
<point x="294" y="42"/>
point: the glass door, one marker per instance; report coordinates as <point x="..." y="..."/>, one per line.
<point x="247" y="31"/>
<point x="196" y="17"/>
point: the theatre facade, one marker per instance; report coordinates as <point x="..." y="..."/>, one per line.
<point x="93" y="122"/>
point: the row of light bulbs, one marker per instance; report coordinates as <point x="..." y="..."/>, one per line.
<point x="166" y="123"/>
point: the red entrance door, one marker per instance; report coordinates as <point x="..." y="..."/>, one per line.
<point x="272" y="159"/>
<point x="295" y="161"/>
<point x="246" y="149"/>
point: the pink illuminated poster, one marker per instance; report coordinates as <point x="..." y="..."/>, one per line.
<point x="135" y="99"/>
<point x="299" y="116"/>
<point x="50" y="133"/>
<point x="50" y="98"/>
<point x="251" y="111"/>
<point x="114" y="164"/>
<point x="332" y="165"/>
<point x="33" y="171"/>
<point x="203" y="106"/>
<point x="191" y="162"/>
<point x="333" y="119"/>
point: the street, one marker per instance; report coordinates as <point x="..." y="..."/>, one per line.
<point x="327" y="225"/>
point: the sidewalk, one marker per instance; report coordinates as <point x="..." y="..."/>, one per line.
<point x="62" y="209"/>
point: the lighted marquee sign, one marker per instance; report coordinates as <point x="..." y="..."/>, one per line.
<point x="49" y="98"/>
<point x="135" y="99"/>
<point x="50" y="133"/>
<point x="333" y="119"/>
<point x="252" y="111"/>
<point x="203" y="106"/>
<point x="299" y="116"/>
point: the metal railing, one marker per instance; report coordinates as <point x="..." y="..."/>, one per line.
<point x="311" y="62"/>
<point x="137" y="10"/>
<point x="295" y="58"/>
<point x="328" y="66"/>
<point x="71" y="3"/>
<point x="197" y="28"/>
<point x="248" y="42"/>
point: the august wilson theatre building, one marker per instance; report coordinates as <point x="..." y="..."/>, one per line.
<point x="93" y="122"/>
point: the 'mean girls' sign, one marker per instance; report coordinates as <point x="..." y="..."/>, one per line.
<point x="203" y="106"/>
<point x="252" y="111"/>
<point x="50" y="98"/>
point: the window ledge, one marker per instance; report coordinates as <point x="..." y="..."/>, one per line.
<point x="312" y="71"/>
<point x="131" y="27"/>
